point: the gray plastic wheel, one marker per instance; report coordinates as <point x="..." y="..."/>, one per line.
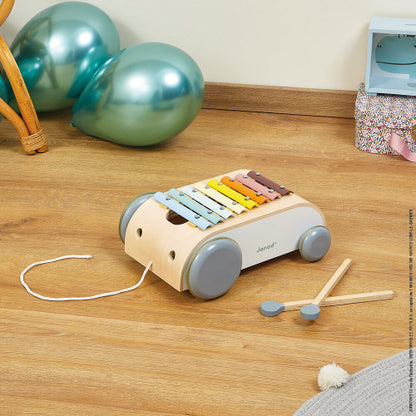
<point x="314" y="243"/>
<point x="128" y="212"/>
<point x="213" y="268"/>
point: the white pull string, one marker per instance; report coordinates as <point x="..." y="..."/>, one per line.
<point x="75" y="256"/>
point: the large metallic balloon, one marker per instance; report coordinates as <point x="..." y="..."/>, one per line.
<point x="144" y="95"/>
<point x="59" y="50"/>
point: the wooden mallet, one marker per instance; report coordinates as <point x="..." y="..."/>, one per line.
<point x="310" y="308"/>
<point x="272" y="308"/>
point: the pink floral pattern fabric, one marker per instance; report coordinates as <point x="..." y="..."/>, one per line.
<point x="376" y="116"/>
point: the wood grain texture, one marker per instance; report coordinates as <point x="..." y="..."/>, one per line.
<point x="155" y="351"/>
<point x="285" y="100"/>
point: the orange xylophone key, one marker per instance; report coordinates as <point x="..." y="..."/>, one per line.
<point x="239" y="187"/>
<point x="257" y="187"/>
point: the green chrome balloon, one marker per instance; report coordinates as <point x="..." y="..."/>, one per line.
<point x="59" y="50"/>
<point x="142" y="96"/>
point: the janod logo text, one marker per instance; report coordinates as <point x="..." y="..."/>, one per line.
<point x="266" y="247"/>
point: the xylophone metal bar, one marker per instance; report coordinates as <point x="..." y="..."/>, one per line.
<point x="231" y="193"/>
<point x="242" y="189"/>
<point x="267" y="182"/>
<point x="194" y="206"/>
<point x="219" y="209"/>
<point x="256" y="186"/>
<point x="181" y="210"/>
<point x="220" y="198"/>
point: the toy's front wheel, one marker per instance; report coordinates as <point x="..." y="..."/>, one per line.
<point x="128" y="212"/>
<point x="213" y="268"/>
<point x="314" y="243"/>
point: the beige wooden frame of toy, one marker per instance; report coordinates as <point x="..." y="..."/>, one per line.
<point x="27" y="126"/>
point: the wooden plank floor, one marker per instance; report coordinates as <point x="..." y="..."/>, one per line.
<point x="155" y="351"/>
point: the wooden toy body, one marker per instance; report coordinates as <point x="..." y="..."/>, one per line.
<point x="262" y="233"/>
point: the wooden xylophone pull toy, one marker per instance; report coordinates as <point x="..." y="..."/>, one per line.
<point x="200" y="236"/>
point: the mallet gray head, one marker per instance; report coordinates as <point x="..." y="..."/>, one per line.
<point x="310" y="312"/>
<point x="271" y="308"/>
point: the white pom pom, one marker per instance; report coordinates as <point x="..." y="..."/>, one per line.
<point x="332" y="375"/>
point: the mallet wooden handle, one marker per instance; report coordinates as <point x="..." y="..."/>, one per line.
<point x="342" y="300"/>
<point x="332" y="282"/>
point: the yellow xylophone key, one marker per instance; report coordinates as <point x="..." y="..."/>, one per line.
<point x="220" y="198"/>
<point x="245" y="201"/>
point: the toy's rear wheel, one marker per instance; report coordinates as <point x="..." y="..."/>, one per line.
<point x="213" y="268"/>
<point x="314" y="243"/>
<point x="128" y="212"/>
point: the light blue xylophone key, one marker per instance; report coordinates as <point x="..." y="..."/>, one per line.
<point x="194" y="205"/>
<point x="181" y="210"/>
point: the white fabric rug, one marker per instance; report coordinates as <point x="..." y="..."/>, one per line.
<point x="383" y="389"/>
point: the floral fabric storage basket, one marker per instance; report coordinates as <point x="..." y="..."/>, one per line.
<point x="386" y="124"/>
